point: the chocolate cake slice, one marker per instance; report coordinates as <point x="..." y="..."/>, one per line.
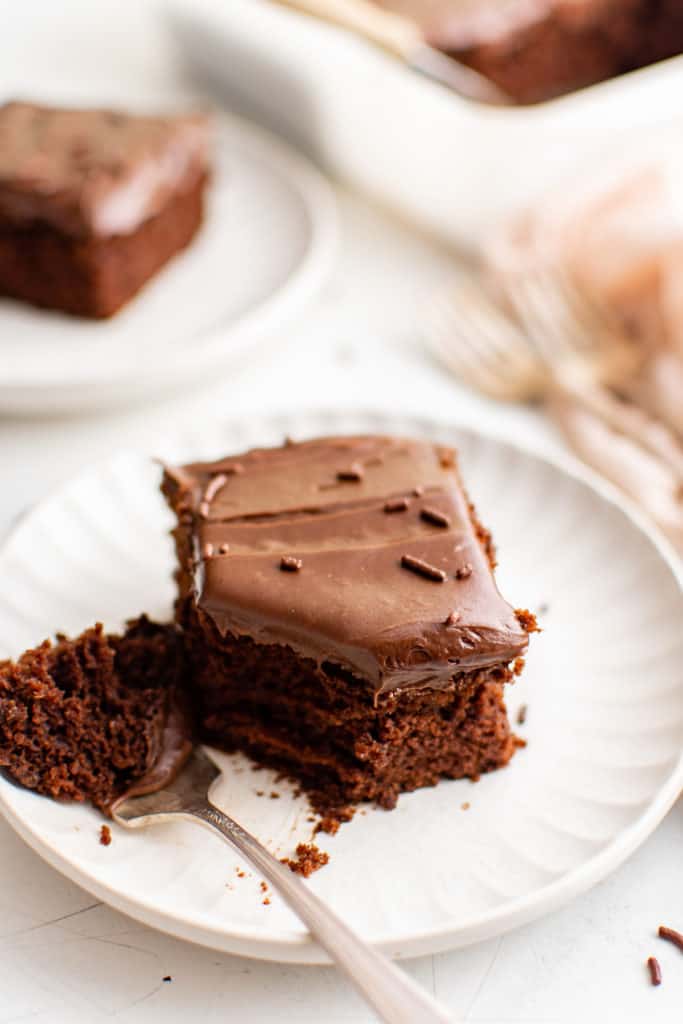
<point x="94" y="202"/>
<point x="341" y="617"/>
<point x="88" y="719"/>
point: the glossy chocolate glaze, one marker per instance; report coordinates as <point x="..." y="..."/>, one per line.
<point x="352" y="512"/>
<point x="94" y="172"/>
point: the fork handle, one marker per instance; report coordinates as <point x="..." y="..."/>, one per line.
<point x="392" y="994"/>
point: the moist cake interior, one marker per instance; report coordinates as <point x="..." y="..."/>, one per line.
<point x="83" y="719"/>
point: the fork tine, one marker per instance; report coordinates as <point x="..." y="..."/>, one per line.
<point x="480" y="343"/>
<point x="473" y="371"/>
<point x="485" y="332"/>
<point x="543" y="314"/>
<point x="570" y="327"/>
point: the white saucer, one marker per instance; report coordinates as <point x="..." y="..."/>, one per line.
<point x="267" y="244"/>
<point x="603" y="686"/>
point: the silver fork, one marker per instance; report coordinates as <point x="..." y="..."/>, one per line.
<point x="586" y="351"/>
<point x="563" y="348"/>
<point x="392" y="994"/>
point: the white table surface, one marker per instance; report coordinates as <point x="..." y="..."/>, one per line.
<point x="67" y="959"/>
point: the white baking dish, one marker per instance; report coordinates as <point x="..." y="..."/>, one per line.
<point x="454" y="167"/>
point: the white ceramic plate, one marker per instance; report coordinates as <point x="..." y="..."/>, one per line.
<point x="604" y="688"/>
<point x="267" y="244"/>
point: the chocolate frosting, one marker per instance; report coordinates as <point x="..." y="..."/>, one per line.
<point x="351" y="519"/>
<point x="94" y="172"/>
<point x="175" y="746"/>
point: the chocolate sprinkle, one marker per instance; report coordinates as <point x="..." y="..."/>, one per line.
<point x="207" y="550"/>
<point x="452" y="619"/>
<point x="290" y="564"/>
<point x="434" y="516"/>
<point x="167" y="977"/>
<point x="521" y="714"/>
<point x="354" y="474"/>
<point x="416" y="565"/>
<point x="671" y="935"/>
<point x="397" y="505"/>
<point x="655" y="970"/>
<point x="464" y="572"/>
<point x="223" y="549"/>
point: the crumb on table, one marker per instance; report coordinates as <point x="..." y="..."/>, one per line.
<point x="105" y="835"/>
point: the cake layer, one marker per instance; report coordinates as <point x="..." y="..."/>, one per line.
<point x="94" y="173"/>
<point x="361" y="552"/>
<point x="95" y="276"/>
<point x="322" y="726"/>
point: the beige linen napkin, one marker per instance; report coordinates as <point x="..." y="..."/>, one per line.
<point x="619" y="232"/>
<point x="621" y="236"/>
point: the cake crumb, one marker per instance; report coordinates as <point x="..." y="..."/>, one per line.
<point x="266" y="902"/>
<point x="521" y="714"/>
<point x="274" y="796"/>
<point x="167" y="977"/>
<point x="518" y="666"/>
<point x="240" y="873"/>
<point x="527" y="620"/>
<point x="465" y="806"/>
<point x="308" y="859"/>
<point x="259" y="792"/>
<point x="333" y="819"/>
<point x="264" y="887"/>
<point x="105" y="835"/>
<point x="329" y="825"/>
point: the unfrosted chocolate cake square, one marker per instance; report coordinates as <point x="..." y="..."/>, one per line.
<point x="94" y="202"/>
<point x="341" y="616"/>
